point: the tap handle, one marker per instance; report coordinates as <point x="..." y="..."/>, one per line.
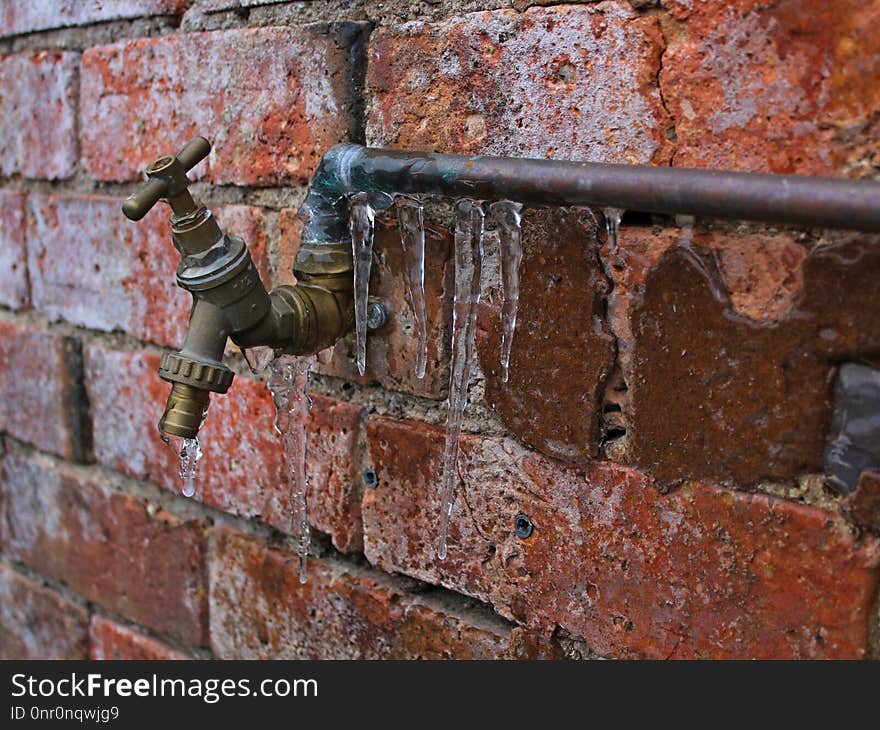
<point x="167" y="176"/>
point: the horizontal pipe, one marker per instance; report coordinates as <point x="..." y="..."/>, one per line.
<point x="794" y="199"/>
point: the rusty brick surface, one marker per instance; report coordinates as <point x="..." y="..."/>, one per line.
<point x="789" y="86"/>
<point x="110" y="640"/>
<point x="38" y="108"/>
<point x="563" y="349"/>
<point x="14" y="289"/>
<point x="18" y="17"/>
<point x="719" y="396"/>
<point x="92" y="267"/>
<point x="862" y="507"/>
<point x="116" y="550"/>
<point x="40" y="390"/>
<point x="242" y="470"/>
<point x="342" y="612"/>
<point x="38" y="623"/>
<point x="572" y="82"/>
<point x="392" y="350"/>
<point x="702" y="572"/>
<point x="271" y="99"/>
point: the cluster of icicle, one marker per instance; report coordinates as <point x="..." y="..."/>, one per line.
<point x="470" y="220"/>
<point x="289" y="380"/>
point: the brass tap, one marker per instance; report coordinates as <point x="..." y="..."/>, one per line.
<point x="229" y="299"/>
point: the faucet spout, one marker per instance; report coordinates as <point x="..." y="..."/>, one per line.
<point x="195" y="371"/>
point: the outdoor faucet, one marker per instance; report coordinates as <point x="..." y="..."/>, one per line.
<point x="229" y="299"/>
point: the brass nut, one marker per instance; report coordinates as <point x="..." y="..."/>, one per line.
<point x="179" y="369"/>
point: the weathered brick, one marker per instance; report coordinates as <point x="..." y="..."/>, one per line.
<point x="13" y="254"/>
<point x="109" y="639"/>
<point x="26" y="17"/>
<point x="111" y="548"/>
<point x="559" y="364"/>
<point x="38" y="109"/>
<point x="38" y="623"/>
<point x="91" y="266"/>
<point x="862" y="507"/>
<point x="342" y="612"/>
<point x="145" y="97"/>
<point x="701" y="572"/>
<point x="572" y="82"/>
<point x="392" y="350"/>
<point x="40" y="390"/>
<point x="242" y="470"/>
<point x="789" y="86"/>
<point x="713" y="394"/>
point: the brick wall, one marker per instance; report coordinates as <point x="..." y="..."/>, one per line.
<point x="664" y="422"/>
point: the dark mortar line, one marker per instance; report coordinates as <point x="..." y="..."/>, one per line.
<point x="195" y="652"/>
<point x="59" y="587"/>
<point x="76" y="38"/>
<point x="76" y="401"/>
<point x="657" y="12"/>
<point x="83" y="185"/>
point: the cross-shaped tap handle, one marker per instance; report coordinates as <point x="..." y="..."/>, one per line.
<point x="167" y="179"/>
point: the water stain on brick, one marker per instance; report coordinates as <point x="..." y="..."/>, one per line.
<point x="563" y="349"/>
<point x="717" y="396"/>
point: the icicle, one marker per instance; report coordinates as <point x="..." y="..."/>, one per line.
<point x="258" y="358"/>
<point x="288" y="384"/>
<point x="468" y="266"/>
<point x="686" y="226"/>
<point x="410" y="216"/>
<point x="325" y="357"/>
<point x="506" y="216"/>
<point x="189" y="452"/>
<point x="612" y="224"/>
<point x="360" y="223"/>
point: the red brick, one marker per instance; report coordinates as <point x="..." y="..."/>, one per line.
<point x="38" y="108"/>
<point x="789" y="86"/>
<point x="14" y="291"/>
<point x="718" y="396"/>
<point x="26" y="17"/>
<point x="572" y="82"/>
<point x="40" y="390"/>
<point x="91" y="266"/>
<point x="38" y="623"/>
<point x="111" y="640"/>
<point x="392" y="350"/>
<point x="111" y="548"/>
<point x="701" y="572"/>
<point x="242" y="470"/>
<point x="862" y="507"/>
<point x="146" y="97"/>
<point x="558" y="367"/>
<point x="342" y="612"/>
